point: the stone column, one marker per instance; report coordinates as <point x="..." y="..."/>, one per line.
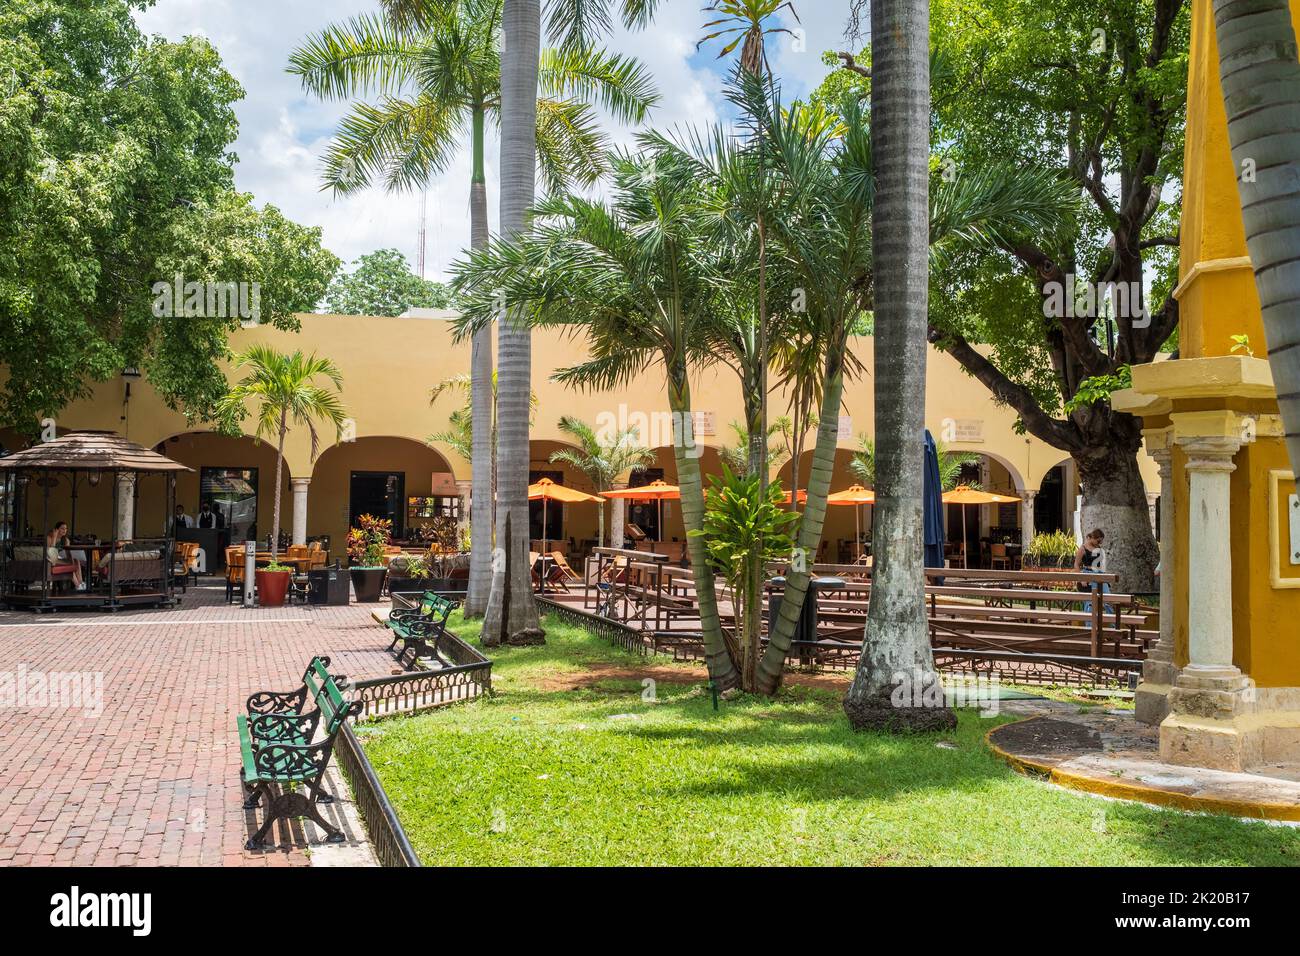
<point x="299" y="486"/>
<point x="126" y="506"/>
<point x="1210" y="691"/>
<point x="1151" y="704"/>
<point x="1153" y="502"/>
<point x="617" y="513"/>
<point x="1027" y="519"/>
<point x="465" y="491"/>
<point x="1209" y="556"/>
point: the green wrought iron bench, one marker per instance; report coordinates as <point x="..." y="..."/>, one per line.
<point x="420" y="629"/>
<point x="278" y="748"/>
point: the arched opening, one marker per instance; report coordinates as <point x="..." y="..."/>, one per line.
<point x="843" y="532"/>
<point x="399" y="479"/>
<point x="662" y="521"/>
<point x="570" y="528"/>
<point x="230" y="490"/>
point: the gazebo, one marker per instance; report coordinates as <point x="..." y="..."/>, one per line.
<point x="93" y="477"/>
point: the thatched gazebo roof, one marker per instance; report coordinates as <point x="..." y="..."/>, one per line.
<point x="90" y="451"/>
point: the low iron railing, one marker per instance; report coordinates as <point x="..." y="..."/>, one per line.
<point x="616" y="632"/>
<point x="392" y="848"/>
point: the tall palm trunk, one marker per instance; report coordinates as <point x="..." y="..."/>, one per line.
<point x="894" y="688"/>
<point x="279" y="467"/>
<point x="481" y="403"/>
<point x="772" y="667"/>
<point x="722" y="669"/>
<point x="511" y="615"/>
<point x="1260" y="73"/>
<point x="756" y="422"/>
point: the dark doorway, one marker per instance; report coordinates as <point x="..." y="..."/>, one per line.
<point x="378" y="493"/>
<point x="645" y="514"/>
<point x="1049" y="506"/>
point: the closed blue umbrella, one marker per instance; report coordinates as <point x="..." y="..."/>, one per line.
<point x="933" y="501"/>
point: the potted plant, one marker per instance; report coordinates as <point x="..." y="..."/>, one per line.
<point x="272" y="584"/>
<point x="1052" y="551"/>
<point x="367" y="544"/>
<point x="409" y="573"/>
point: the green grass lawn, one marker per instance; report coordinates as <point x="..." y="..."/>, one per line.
<point x="598" y="775"/>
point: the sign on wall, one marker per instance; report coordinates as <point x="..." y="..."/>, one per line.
<point x="969" y="429"/>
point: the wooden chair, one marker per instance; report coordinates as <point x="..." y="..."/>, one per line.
<point x="563" y="565"/>
<point x="998" y="557"/>
<point x="317" y="554"/>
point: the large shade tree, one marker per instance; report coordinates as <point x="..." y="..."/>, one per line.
<point x="116" y="173"/>
<point x="1260" y="74"/>
<point x="1094" y="92"/>
<point x="382" y="283"/>
<point x="434" y="70"/>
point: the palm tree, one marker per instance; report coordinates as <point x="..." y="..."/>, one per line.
<point x="1260" y="74"/>
<point x="640" y="275"/>
<point x="824" y="231"/>
<point x="779" y="442"/>
<point x="602" y="458"/>
<point x="897" y="642"/>
<point x="436" y="68"/>
<point x="951" y="463"/>
<point x="284" y="388"/>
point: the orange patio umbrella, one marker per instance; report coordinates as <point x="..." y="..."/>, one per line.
<point x="658" y="490"/>
<point x="854" y="496"/>
<point x="965" y="495"/>
<point x="546" y="491"/>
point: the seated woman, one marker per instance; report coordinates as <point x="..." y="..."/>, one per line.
<point x="62" y="565"/>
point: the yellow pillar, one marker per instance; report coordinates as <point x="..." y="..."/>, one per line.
<point x="1225" y="683"/>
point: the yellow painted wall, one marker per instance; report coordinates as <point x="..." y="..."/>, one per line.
<point x="390" y="364"/>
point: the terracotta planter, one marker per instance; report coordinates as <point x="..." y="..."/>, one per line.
<point x="368" y="583"/>
<point x="272" y="586"/>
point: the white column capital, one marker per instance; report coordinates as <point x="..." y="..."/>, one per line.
<point x="1209" y="455"/>
<point x="299" y="483"/>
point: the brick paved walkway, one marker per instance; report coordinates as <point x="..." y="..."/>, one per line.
<point x="153" y="778"/>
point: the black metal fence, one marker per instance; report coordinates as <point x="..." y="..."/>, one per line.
<point x="617" y="633"/>
<point x="392" y="848"/>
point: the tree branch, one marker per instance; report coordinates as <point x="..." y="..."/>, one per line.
<point x="1059" y="434"/>
<point x="852" y="64"/>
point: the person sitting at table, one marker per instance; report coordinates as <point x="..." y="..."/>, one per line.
<point x="60" y="565"/>
<point x="208" y="518"/>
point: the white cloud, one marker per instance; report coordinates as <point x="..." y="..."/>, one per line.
<point x="283" y="132"/>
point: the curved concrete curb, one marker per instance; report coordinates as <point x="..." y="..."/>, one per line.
<point x="1124" y="790"/>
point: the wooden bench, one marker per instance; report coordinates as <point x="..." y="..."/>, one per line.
<point x="276" y="748"/>
<point x="415" y="628"/>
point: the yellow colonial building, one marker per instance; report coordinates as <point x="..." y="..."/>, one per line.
<point x="1224" y="681"/>
<point x="387" y="465"/>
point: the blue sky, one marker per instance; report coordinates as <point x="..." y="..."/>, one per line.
<point x="283" y="133"/>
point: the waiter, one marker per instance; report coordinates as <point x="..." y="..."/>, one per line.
<point x="181" y="520"/>
<point x="208" y="518"/>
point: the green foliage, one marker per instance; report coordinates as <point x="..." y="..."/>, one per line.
<point x="601" y="456"/>
<point x="285" y="392"/>
<point x="116" y="173"/>
<point x="368" y="541"/>
<point x="382" y="283"/>
<point x="780" y="445"/>
<point x="1098" y="388"/>
<point x="436" y="75"/>
<point x="743" y="525"/>
<point x="1241" y="344"/>
<point x="863" y="464"/>
<point x="1052" y="548"/>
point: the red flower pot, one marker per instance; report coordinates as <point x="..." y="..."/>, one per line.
<point x="272" y="586"/>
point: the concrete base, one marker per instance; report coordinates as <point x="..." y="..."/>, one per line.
<point x="1151" y="703"/>
<point x="1231" y="728"/>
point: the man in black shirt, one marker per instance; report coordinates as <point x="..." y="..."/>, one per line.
<point x="208" y="518"/>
